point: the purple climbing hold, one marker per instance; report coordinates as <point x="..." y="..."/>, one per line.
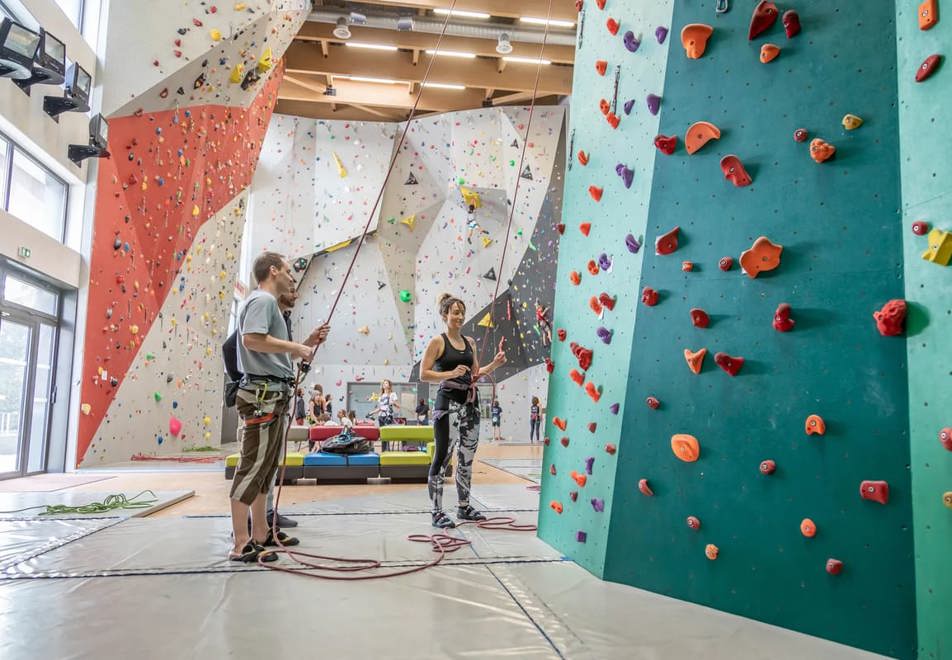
<point x="631" y="41"/>
<point x="661" y="33"/>
<point x="589" y="462"/>
<point x="581" y="536"/>
<point x="632" y="244"/>
<point x="598" y="505"/>
<point x="627" y="176"/>
<point x="654" y="103"/>
<point x="614" y="408"/>
<point x="618" y="168"/>
<point x="604" y="262"/>
<point x="604" y="334"/>
<point x="629" y="104"/>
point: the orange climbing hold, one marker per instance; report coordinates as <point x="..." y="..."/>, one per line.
<point x="761" y="257"/>
<point x="613" y="119"/>
<point x="711" y="551"/>
<point x="610" y="448"/>
<point x="808" y="528"/>
<point x="577" y="376"/>
<point x="768" y="53"/>
<point x="580" y="479"/>
<point x="585" y="228"/>
<point x="645" y="488"/>
<point x="928" y="14"/>
<point x="593" y="267"/>
<point x="593" y="391"/>
<point x="575" y="278"/>
<point x="596" y="306"/>
<point x="700" y="133"/>
<point x="821" y="151"/>
<point x="695" y="360"/>
<point x="694" y="38"/>
<point x="556" y="506"/>
<point x="601" y="66"/>
<point x="559" y="422"/>
<point x="685" y="447"/>
<point x="582" y="157"/>
<point x="595" y="192"/>
<point x="815" y="425"/>
<point x="612" y="26"/>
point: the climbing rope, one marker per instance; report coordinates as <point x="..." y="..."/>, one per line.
<point x="117" y="501"/>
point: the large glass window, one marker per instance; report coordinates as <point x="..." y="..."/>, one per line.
<point x="30" y="295"/>
<point x="36" y="195"/>
<point x="73" y="10"/>
<point x="4" y="168"/>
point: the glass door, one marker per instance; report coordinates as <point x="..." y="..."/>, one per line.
<point x="16" y="341"/>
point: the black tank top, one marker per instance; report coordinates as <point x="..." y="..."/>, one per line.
<point x="451" y="358"/>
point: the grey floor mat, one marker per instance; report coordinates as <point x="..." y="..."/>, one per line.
<point x="529" y="469"/>
<point x="20" y="539"/>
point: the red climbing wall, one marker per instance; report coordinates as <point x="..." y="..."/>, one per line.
<point x="169" y="173"/>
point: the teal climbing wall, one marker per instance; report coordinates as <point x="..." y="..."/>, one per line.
<point x="924" y="109"/>
<point x="842" y="260"/>
<point x="620" y="212"/>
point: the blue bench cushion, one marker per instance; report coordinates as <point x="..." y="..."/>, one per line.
<point x="369" y="458"/>
<point x="323" y="458"/>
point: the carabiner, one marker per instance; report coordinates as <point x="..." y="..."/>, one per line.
<point x="721" y="6"/>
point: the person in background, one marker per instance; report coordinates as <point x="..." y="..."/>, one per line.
<point x="352" y="415"/>
<point x="317" y="402"/>
<point x="300" y="409"/>
<point x="423" y="413"/>
<point x="387" y="404"/>
<point x="344" y="420"/>
<point x="495" y="414"/>
<point x="535" y="419"/>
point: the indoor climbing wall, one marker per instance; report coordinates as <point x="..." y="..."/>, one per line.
<point x="425" y="237"/>
<point x="926" y="188"/>
<point x="772" y="237"/>
<point x="168" y="222"/>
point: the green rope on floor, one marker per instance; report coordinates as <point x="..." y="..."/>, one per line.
<point x="110" y="503"/>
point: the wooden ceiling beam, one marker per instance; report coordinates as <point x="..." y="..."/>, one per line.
<point x="563" y="10"/>
<point x="324" y="111"/>
<point x="374" y="95"/>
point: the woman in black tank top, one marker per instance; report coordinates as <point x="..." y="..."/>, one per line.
<point x="451" y="360"/>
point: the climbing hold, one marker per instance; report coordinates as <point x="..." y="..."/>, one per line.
<point x="821" y="150"/>
<point x="667" y="243"/>
<point x="133" y="329"/>
<point x="734" y="171"/>
<point x="700" y="133"/>
<point x="815" y="425"/>
<point x="768" y="53"/>
<point x="632" y="244"/>
<point x="725" y="263"/>
<point x="596" y="306"/>
<point x="613" y="119"/>
<point x="545" y="441"/>
<point x="687" y="266"/>
<point x="576" y="376"/>
<point x="629" y="104"/>
<point x="561" y="334"/>
<point x="175" y="426"/>
<point x="573" y="495"/>
<point x="928" y="14"/>
<point x="653" y="403"/>
<point x="604" y="106"/>
<point x="694" y="522"/>
<point x="560" y="228"/>
<point x="695" y="360"/>
<point x="781" y="319"/>
<point x="86" y="408"/>
<point x="595" y="192"/>
<point x="581" y="536"/>
<point x="791" y="23"/>
<point x="614" y="408"/>
<point x="761" y="257"/>
<point x="947" y="499"/>
<point x="834" y="566"/>
<point x="610" y="448"/>
<point x="890" y="320"/>
<point x="851" y="122"/>
<point x="920" y="228"/>
<point x="699" y="318"/>
<point x="552" y="468"/>
<point x="764" y="16"/>
<point x="632" y="43"/>
<point x="945" y="437"/>
<point x="580" y="479"/>
<point x="582" y="157"/>
<point x="654" y="103"/>
<point x="607" y="301"/>
<point x="685" y="447"/>
<point x="156" y="396"/>
<point x="645" y="488"/>
<point x="405" y="296"/>
<point x="711" y="551"/>
<point x="593" y="391"/>
<point x="728" y="363"/>
<point x="768" y="467"/>
<point x="556" y="506"/>
<point x="627" y="175"/>
<point x="598" y="505"/>
<point x="549" y="365"/>
<point x="592" y="267"/>
<point x="876" y="491"/>
<point x="364" y="330"/>
<point x="649" y="296"/>
<point x="940" y="247"/>
<point x="928" y="67"/>
<point x="409" y="221"/>
<point x="592" y="426"/>
<point x="808" y="528"/>
<point x="612" y="26"/>
<point x="575" y="278"/>
<point x="694" y="38"/>
<point x="589" y="462"/>
<point x="604" y="334"/>
<point x="585" y="228"/>
<point x="800" y="135"/>
<point x="661" y="33"/>
<point x="601" y="66"/>
<point x="559" y="423"/>
<point x="666" y="144"/>
<point x="565" y="441"/>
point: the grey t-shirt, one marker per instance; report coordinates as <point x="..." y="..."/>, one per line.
<point x="261" y="315"/>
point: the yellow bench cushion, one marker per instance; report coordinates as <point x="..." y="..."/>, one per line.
<point x="398" y="433"/>
<point x="405" y="458"/>
<point x="293" y="459"/>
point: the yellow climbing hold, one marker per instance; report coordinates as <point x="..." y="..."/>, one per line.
<point x="237" y="73"/>
<point x="851" y="122"/>
<point x="940" y="247"/>
<point x="240" y="6"/>
<point x="206" y="420"/>
<point x="486" y="322"/>
<point x="86" y="408"/>
<point x="341" y="170"/>
<point x="409" y="220"/>
<point x="264" y="62"/>
<point x="487" y="241"/>
<point x="134" y="329"/>
<point x="195" y="211"/>
<point x="215" y="35"/>
<point x="470" y="198"/>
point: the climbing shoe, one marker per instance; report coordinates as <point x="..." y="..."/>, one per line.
<point x="271" y="540"/>
<point x="469" y="513"/>
<point x="443" y="521"/>
<point x="250" y="553"/>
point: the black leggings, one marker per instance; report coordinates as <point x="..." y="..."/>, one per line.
<point x="458" y="425"/>
<point x="534" y="429"/>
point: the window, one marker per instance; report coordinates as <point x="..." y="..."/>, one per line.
<point x="74" y="11"/>
<point x="30" y="295"/>
<point x="31" y="192"/>
<point x="6" y="13"/>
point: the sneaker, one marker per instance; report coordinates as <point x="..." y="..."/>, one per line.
<point x="271" y="541"/>
<point x="443" y="521"/>
<point x="250" y="554"/>
<point x="469" y="513"/>
<point x="282" y="521"/>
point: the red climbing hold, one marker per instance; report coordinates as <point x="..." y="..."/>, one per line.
<point x="573" y="495"/>
<point x="734" y="171"/>
<point x="585" y="228"/>
<point x="649" y="296"/>
<point x="560" y="228"/>
<point x="667" y="243"/>
<point x="920" y="228"/>
<point x="549" y="365"/>
<point x="781" y="319"/>
<point x="564" y="440"/>
<point x="579" y="378"/>
<point x="607" y="301"/>
<point x="592" y="426"/>
<point x="545" y="441"/>
<point x="612" y="26"/>
<point x="699" y="318"/>
<point x="600" y="4"/>
<point x="583" y="355"/>
<point x="791" y="23"/>
<point x="575" y="278"/>
<point x="821" y="150"/>
<point x="595" y="192"/>
<point x="645" y="488"/>
<point x="613" y="119"/>
<point x="801" y="135"/>
<point x="653" y="403"/>
<point x="945" y="437"/>
<point x="610" y="448"/>
<point x="593" y="391"/>
<point x="582" y="157"/>
<point x="814" y="425"/>
<point x="728" y="363"/>
<point x="595" y="306"/>
<point x="555" y="506"/>
<point x="666" y="143"/>
<point x="593" y="267"/>
<point x="725" y="263"/>
<point x="552" y="469"/>
<point x="559" y="423"/>
<point x="891" y="319"/>
<point x="877" y="491"/>
<point x="762" y="256"/>
<point x="928" y="67"/>
<point x="601" y="66"/>
<point x="694" y="522"/>
<point x="808" y="528"/>
<point x="687" y="266"/>
<point x="834" y="566"/>
<point x="561" y="334"/>
<point x="764" y="16"/>
<point x="768" y="467"/>
<point x="604" y="106"/>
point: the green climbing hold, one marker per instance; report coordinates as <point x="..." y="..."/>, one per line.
<point x="149" y="356"/>
<point x="512" y="163"/>
<point x="460" y="181"/>
<point x="156" y="396"/>
<point x="391" y="220"/>
<point x="519" y="233"/>
<point x="405" y="296"/>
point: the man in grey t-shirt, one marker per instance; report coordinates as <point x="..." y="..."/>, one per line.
<point x="264" y="357"/>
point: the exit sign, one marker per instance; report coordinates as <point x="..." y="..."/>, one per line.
<point x="24" y="252"/>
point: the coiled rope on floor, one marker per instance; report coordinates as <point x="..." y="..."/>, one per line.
<point x="114" y="502"/>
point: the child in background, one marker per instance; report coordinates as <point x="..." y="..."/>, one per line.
<point x="495" y="412"/>
<point x="344" y="420"/>
<point x="535" y="419"/>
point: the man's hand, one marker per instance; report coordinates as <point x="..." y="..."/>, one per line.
<point x="302" y="352"/>
<point x="318" y="335"/>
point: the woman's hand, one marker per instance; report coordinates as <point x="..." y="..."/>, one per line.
<point x="458" y="372"/>
<point x="500" y="358"/>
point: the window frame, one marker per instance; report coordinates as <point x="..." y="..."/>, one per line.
<point x="12" y="147"/>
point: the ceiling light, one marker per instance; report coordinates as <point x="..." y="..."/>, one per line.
<point x="503" y="46"/>
<point x="355" y="44"/>
<point x="451" y="53"/>
<point x="461" y="13"/>
<point x="342" y="31"/>
<point x="525" y="60"/>
<point x="542" y="21"/>
<point x="380" y="81"/>
<point x="443" y="85"/>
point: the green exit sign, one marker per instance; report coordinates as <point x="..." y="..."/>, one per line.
<point x="24" y="252"/>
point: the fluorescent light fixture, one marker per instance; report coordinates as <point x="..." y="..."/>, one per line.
<point x="542" y="21"/>
<point x="379" y="81"/>
<point x="461" y="13"/>
<point x="443" y="86"/>
<point x="452" y="53"/>
<point x="357" y="44"/>
<point x="525" y="60"/>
